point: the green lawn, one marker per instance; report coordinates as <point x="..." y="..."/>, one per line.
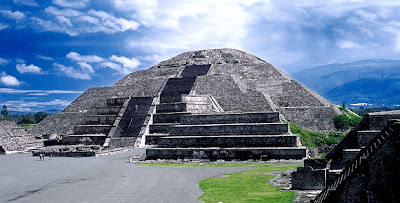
<point x="246" y="186"/>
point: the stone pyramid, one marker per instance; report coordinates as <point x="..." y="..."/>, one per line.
<point x="202" y="93"/>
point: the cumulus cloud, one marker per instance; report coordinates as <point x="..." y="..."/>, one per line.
<point x="47" y="58"/>
<point x="9" y="80"/>
<point x="45" y="25"/>
<point x="131" y="63"/>
<point x="111" y="65"/>
<point x="74" y="22"/>
<point x="25" y="2"/>
<point x="86" y="67"/>
<point x="22" y="68"/>
<point x="71" y="3"/>
<point x="16" y="15"/>
<point x="64" y="20"/>
<point x="62" y="12"/>
<point x="285" y="33"/>
<point x="3" y="26"/>
<point x="84" y="58"/>
<point x="71" y="72"/>
<point x="3" y="61"/>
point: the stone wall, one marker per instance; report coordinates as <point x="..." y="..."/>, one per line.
<point x="312" y="118"/>
<point x="14" y="138"/>
<point x="97" y="96"/>
<point x="229" y="96"/>
<point x="376" y="181"/>
<point x="61" y="124"/>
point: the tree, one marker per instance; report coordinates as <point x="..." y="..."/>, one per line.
<point x="4" y="112"/>
<point x="39" y="116"/>
<point x="27" y="119"/>
<point x="341" y="122"/>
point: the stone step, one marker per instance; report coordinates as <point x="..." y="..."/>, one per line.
<point x="100" y="119"/>
<point x="365" y="137"/>
<point x="92" y="129"/>
<point x="152" y="139"/>
<point x="170" y="98"/>
<point x="116" y="101"/>
<point x="108" y="110"/>
<point x="227" y="153"/>
<point x="222" y="129"/>
<point x="171" y="107"/>
<point x="197" y="119"/>
<point x="228" y="141"/>
<point x="87" y="139"/>
<point x="187" y="118"/>
<point x="174" y="117"/>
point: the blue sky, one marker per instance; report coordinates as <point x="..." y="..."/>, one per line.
<point x="53" y="50"/>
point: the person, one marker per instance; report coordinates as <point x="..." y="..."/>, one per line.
<point x="40" y="157"/>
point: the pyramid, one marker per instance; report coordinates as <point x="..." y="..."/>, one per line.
<point x="219" y="93"/>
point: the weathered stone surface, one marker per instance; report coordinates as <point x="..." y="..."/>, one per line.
<point x="14" y="138"/>
<point x="231" y="80"/>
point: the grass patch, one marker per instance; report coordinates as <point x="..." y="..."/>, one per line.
<point x="316" y="139"/>
<point x="206" y="164"/>
<point x="246" y="186"/>
<point x="27" y="126"/>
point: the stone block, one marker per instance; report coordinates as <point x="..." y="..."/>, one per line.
<point x="228" y="141"/>
<point x="227" y="153"/>
<point x="306" y="178"/>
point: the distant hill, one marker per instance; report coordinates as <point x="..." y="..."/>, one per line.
<point x="373" y="81"/>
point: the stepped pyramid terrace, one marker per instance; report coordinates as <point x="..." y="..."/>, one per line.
<point x="363" y="167"/>
<point x="208" y="104"/>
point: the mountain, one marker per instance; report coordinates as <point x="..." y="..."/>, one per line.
<point x="375" y="82"/>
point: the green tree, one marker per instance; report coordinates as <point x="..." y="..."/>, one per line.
<point x="341" y="122"/>
<point x="4" y="112"/>
<point x="26" y="119"/>
<point x="39" y="116"/>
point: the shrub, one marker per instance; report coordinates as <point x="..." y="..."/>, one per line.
<point x="342" y="122"/>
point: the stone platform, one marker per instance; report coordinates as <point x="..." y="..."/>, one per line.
<point x="196" y="127"/>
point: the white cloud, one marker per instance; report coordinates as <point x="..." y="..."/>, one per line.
<point x="126" y="62"/>
<point x="89" y="19"/>
<point x="111" y="65"/>
<point x="47" y="58"/>
<point x="43" y="25"/>
<point x="9" y="80"/>
<point x="86" y="67"/>
<point x="18" y="60"/>
<point x="3" y="61"/>
<point x="348" y="45"/>
<point x="64" y="20"/>
<point x="16" y="15"/>
<point x="23" y="105"/>
<point x="74" y="22"/>
<point x="22" y="68"/>
<point x="25" y="2"/>
<point x="187" y="25"/>
<point x="71" y="72"/>
<point x="3" y="26"/>
<point x="62" y="12"/>
<point x="71" y="3"/>
<point x="85" y="58"/>
<point x="46" y="92"/>
<point x="111" y="24"/>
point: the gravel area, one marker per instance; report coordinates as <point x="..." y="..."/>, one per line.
<point x="99" y="179"/>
